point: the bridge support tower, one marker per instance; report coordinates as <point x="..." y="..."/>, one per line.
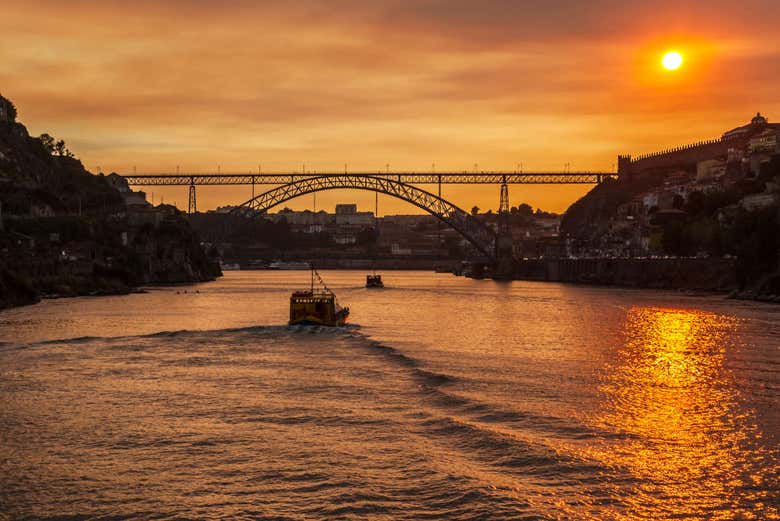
<point x="193" y="206"/>
<point x="505" y="265"/>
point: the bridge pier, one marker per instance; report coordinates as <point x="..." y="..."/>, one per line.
<point x="504" y="268"/>
<point x="193" y="206"/>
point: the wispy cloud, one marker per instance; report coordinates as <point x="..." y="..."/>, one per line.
<point x="406" y="82"/>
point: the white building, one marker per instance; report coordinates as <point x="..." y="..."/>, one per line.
<point x="396" y="249"/>
<point x="765" y="142"/>
<point x="758" y="201"/>
<point x="710" y="169"/>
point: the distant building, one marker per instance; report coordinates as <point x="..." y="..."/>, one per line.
<point x="710" y="169"/>
<point x="347" y="215"/>
<point x="346" y="209"/>
<point x="135" y="199"/>
<point x="345" y="238"/>
<point x="357" y="219"/>
<point x="678" y="177"/>
<point x="758" y="136"/>
<point x="397" y="249"/>
<point x="408" y="220"/>
<point x="758" y="201"/>
<point x="758" y="122"/>
<point x="313" y="228"/>
<point x="304" y="219"/>
<point x="766" y="142"/>
<point x="650" y="200"/>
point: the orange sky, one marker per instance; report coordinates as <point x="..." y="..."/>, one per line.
<point x="236" y="83"/>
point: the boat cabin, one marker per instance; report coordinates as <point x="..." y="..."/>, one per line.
<point x="374" y="281"/>
<point x="315" y="308"/>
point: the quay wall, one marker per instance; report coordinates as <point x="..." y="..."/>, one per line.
<point x="382" y="263"/>
<point x="680" y="273"/>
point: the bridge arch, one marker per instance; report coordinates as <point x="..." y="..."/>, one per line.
<point x="478" y="234"/>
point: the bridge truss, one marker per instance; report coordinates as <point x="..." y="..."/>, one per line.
<point x="482" y="237"/>
<point x="289" y="185"/>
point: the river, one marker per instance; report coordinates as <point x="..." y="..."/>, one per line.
<point x="446" y="398"/>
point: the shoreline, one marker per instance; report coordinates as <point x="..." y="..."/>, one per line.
<point x="725" y="294"/>
<point x="105" y="292"/>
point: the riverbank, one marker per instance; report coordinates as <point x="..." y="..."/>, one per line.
<point x="674" y="273"/>
<point x="18" y="291"/>
<point x="684" y="274"/>
<point x="65" y="232"/>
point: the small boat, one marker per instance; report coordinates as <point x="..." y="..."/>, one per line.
<point x="316" y="307"/>
<point x="374" y="281"/>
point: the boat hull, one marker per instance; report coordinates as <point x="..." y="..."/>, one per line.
<point x="313" y="321"/>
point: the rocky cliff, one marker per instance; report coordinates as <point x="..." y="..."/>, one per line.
<point x="67" y="232"/>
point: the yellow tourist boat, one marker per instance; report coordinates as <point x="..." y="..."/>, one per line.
<point x="316" y="307"/>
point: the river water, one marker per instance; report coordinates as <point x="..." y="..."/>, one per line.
<point x="447" y="398"/>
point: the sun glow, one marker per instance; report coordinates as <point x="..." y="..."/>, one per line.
<point x="672" y="60"/>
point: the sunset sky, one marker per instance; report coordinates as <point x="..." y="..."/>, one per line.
<point x="204" y="84"/>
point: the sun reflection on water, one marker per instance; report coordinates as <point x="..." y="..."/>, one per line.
<point x="684" y="434"/>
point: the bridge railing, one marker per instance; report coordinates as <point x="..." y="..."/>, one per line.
<point x="182" y="179"/>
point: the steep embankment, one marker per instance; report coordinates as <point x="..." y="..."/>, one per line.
<point x="736" y="220"/>
<point x="66" y="232"/>
<point x="589" y="217"/>
<point x="35" y="181"/>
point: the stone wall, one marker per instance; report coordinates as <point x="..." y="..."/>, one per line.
<point x="685" y="157"/>
<point x="686" y="273"/>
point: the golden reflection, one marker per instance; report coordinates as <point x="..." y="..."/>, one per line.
<point x="683" y="432"/>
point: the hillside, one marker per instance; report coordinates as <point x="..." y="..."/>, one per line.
<point x="66" y="232"/>
<point x="681" y="214"/>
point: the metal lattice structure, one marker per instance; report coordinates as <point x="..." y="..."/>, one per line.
<point x="413" y="178"/>
<point x="482" y="237"/>
<point x="193" y="206"/>
<point x="293" y="184"/>
<point x="503" y="210"/>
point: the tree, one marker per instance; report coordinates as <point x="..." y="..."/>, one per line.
<point x="48" y="142"/>
<point x="475" y="210"/>
<point x="11" y="107"/>
<point x="672" y="240"/>
<point x="525" y="210"/>
<point x="61" y="150"/>
<point x="695" y="203"/>
<point x="54" y="147"/>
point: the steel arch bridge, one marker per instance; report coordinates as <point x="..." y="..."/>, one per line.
<point x="478" y="234"/>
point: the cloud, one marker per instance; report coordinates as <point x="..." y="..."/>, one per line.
<point x="456" y="82"/>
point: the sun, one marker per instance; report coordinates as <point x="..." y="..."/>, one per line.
<point x="672" y="60"/>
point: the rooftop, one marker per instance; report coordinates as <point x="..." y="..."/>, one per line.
<point x="756" y="124"/>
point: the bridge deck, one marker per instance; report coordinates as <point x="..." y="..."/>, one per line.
<point x="183" y="179"/>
